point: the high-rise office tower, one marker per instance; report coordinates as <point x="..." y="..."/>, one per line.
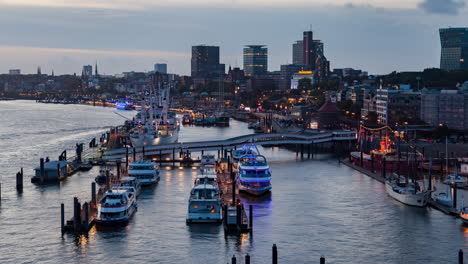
<point x="298" y="52"/>
<point x="454" y="52"/>
<point x="255" y="60"/>
<point x="160" y="67"/>
<point x="308" y="48"/>
<point x="205" y="62"/>
<point x="87" y="71"/>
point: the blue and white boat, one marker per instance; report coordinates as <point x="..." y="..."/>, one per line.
<point x="254" y="176"/>
<point x="124" y="106"/>
<point x="245" y="150"/>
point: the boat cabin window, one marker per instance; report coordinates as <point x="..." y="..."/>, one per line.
<point x="255" y="173"/>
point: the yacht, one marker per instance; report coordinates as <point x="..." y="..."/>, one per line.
<point x="254" y="175"/>
<point x="145" y="171"/>
<point x="204" y="204"/>
<point x="131" y="182"/>
<point x="407" y="192"/>
<point x="116" y="207"/>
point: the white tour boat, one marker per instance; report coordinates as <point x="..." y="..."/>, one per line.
<point x="131" y="182"/>
<point x="145" y="171"/>
<point x="204" y="204"/>
<point x="116" y="207"/>
<point x="254" y="175"/>
<point x="208" y="159"/>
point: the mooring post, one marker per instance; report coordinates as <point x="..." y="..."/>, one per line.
<point x="173" y="157"/>
<point x="218" y="153"/>
<point x="460" y="256"/>
<point x="19" y="181"/>
<point x="41" y="168"/>
<point x="118" y="170"/>
<point x="86" y="209"/>
<point x="126" y="157"/>
<point x="455" y="196"/>
<point x="362" y="160"/>
<point x="302" y="151"/>
<point x="143" y="151"/>
<point x="93" y="194"/>
<point x="62" y="218"/>
<point x="308" y="151"/>
<point x="430" y="175"/>
<point x="384" y="167"/>
<point x="233" y="260"/>
<point x="238" y="214"/>
<point x="322" y="260"/>
<point x="247" y="259"/>
<point x="372" y="162"/>
<point x="76" y="213"/>
<point x="251" y="218"/>
<point x="274" y="254"/>
<point x="134" y="154"/>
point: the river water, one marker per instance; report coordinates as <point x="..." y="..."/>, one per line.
<point x="317" y="207"/>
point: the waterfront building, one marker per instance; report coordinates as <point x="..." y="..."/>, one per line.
<point x="328" y="115"/>
<point x="205" y="62"/>
<point x="397" y="103"/>
<point x="14" y="72"/>
<point x="298" y="52"/>
<point x="255" y="60"/>
<point x="454" y="48"/>
<point x="449" y="107"/>
<point x="160" y="67"/>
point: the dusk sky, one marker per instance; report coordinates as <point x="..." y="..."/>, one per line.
<point x="378" y="36"/>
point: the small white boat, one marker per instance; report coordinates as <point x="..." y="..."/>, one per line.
<point x="208" y="169"/>
<point x="131" y="182"/>
<point x="444" y="199"/>
<point x="204" y="204"/>
<point x="455" y="179"/>
<point x="206" y="179"/>
<point x="116" y="207"/>
<point x="407" y="193"/>
<point x="145" y="171"/>
<point x="254" y="175"/>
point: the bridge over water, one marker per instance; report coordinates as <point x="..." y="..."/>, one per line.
<point x="231" y="143"/>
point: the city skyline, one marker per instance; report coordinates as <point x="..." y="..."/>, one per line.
<point x="402" y="37"/>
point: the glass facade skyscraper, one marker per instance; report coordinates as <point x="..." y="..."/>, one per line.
<point x="454" y="52"/>
<point x="255" y="60"/>
<point x="205" y="62"/>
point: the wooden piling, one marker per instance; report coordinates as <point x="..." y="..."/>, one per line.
<point x="233" y="260"/>
<point x="76" y="214"/>
<point x="19" y="181"/>
<point x="41" y="169"/>
<point x="322" y="260"/>
<point x="430" y="175"/>
<point x="460" y="256"/>
<point x="302" y="151"/>
<point x="86" y="220"/>
<point x="274" y="254"/>
<point x="143" y="151"/>
<point x="455" y="196"/>
<point x="251" y="218"/>
<point x="247" y="259"/>
<point x="308" y="151"/>
<point x="126" y="157"/>
<point x="93" y="194"/>
<point x="62" y="218"/>
<point x="384" y="167"/>
<point x="134" y="154"/>
<point x="173" y="158"/>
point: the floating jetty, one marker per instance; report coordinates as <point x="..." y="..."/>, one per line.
<point x="234" y="215"/>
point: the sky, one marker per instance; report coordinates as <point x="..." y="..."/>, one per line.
<point x="378" y="36"/>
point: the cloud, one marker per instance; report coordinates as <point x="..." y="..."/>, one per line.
<point x="446" y="7"/>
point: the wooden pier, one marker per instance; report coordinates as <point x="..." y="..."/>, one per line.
<point x="234" y="215"/>
<point x="84" y="215"/>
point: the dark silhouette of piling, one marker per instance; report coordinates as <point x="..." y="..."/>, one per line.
<point x="62" y="218"/>
<point x="93" y="193"/>
<point x="233" y="260"/>
<point x="322" y="260"/>
<point x="460" y="256"/>
<point x="274" y="254"/>
<point x="251" y="218"/>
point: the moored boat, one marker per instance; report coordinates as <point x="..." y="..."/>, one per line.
<point x="204" y="204"/>
<point x="116" y="207"/>
<point x="407" y="192"/>
<point x="254" y="176"/>
<point x="145" y="171"/>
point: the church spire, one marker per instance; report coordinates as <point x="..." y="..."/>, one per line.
<point x="96" y="71"/>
